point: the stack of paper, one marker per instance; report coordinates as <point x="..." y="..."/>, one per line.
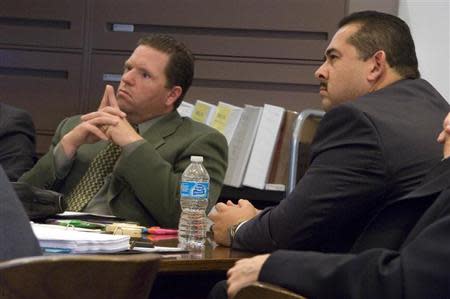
<point x="203" y="112"/>
<point x="60" y="237"/>
<point x="185" y="109"/>
<point x="226" y="119"/>
<point x="241" y="145"/>
<point x="263" y="148"/>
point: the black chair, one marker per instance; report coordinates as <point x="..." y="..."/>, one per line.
<point x="259" y="290"/>
<point x="79" y="276"/>
<point x="303" y="132"/>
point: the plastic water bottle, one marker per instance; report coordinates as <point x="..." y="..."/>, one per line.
<point x="194" y="192"/>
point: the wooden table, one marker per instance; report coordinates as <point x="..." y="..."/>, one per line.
<point x="193" y="274"/>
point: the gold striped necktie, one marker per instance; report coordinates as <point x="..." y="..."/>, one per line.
<point x="94" y="178"/>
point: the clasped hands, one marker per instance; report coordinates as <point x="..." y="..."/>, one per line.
<point x="444" y="136"/>
<point x="226" y="215"/>
<point x="107" y="123"/>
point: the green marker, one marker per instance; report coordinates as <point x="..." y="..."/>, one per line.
<point x="79" y="224"/>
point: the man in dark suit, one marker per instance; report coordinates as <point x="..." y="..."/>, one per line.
<point x="16" y="237"/>
<point x="142" y="184"/>
<point x="17" y="141"/>
<point x="364" y="154"/>
<point x="419" y="269"/>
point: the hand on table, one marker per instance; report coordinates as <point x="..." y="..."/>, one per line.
<point x="444" y="136"/>
<point x="226" y="215"/>
<point x="244" y="272"/>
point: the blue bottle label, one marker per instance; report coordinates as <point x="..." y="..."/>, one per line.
<point x="199" y="190"/>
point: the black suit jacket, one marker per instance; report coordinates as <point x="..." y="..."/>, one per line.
<point x="366" y="154"/>
<point x="419" y="269"/>
<point x="17" y="141"/>
<point x="16" y="236"/>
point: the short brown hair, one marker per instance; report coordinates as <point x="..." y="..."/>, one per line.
<point x="180" y="68"/>
<point x="381" y="31"/>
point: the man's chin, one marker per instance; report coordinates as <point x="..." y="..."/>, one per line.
<point x="326" y="104"/>
<point x="123" y="105"/>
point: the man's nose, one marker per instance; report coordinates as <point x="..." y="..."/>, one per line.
<point x="320" y="73"/>
<point x="128" y="77"/>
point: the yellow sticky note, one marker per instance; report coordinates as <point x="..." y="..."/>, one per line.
<point x="221" y="118"/>
<point x="201" y="112"/>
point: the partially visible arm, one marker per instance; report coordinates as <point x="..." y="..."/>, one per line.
<point x="418" y="270"/>
<point x="331" y="203"/>
<point x="43" y="174"/>
<point x="16" y="237"/>
<point x="17" y="144"/>
<point x="244" y="273"/>
<point x="444" y="136"/>
<point x="228" y="218"/>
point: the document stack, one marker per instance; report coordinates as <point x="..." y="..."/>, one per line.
<point x="241" y="145"/>
<point x="263" y="148"/>
<point x="203" y="112"/>
<point x="71" y="240"/>
<point x="258" y="141"/>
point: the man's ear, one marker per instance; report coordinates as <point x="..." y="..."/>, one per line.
<point x="174" y="94"/>
<point x="378" y="67"/>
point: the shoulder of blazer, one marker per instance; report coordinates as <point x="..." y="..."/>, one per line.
<point x="168" y="124"/>
<point x="436" y="181"/>
<point x="15" y="119"/>
<point x="173" y="122"/>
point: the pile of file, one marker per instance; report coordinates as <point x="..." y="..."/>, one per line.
<point x="258" y="141"/>
<point x="71" y="240"/>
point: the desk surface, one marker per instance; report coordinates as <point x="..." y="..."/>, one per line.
<point x="212" y="258"/>
<point x="192" y="275"/>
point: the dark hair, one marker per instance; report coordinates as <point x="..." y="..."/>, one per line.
<point x="180" y="68"/>
<point x="381" y="31"/>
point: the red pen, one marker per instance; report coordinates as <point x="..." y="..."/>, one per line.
<point x="156" y="238"/>
<point x="156" y="230"/>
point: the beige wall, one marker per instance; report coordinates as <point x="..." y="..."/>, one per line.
<point x="389" y="6"/>
<point x="430" y="28"/>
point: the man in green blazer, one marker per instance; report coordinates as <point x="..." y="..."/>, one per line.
<point x="154" y="143"/>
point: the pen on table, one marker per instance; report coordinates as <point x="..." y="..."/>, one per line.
<point x="134" y="229"/>
<point x="156" y="238"/>
<point x="156" y="230"/>
<point x="77" y="223"/>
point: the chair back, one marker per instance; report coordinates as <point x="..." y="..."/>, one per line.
<point x="259" y="290"/>
<point x="79" y="276"/>
<point x="303" y="132"/>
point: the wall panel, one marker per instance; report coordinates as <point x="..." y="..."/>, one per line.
<point x="47" y="84"/>
<point x="45" y="23"/>
<point x="56" y="57"/>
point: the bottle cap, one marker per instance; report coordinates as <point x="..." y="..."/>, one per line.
<point x="196" y="159"/>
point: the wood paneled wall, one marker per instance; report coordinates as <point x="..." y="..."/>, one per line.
<point x="57" y="55"/>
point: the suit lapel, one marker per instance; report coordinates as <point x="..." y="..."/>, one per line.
<point x="166" y="126"/>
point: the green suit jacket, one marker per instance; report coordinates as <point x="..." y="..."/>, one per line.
<point x="145" y="183"/>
